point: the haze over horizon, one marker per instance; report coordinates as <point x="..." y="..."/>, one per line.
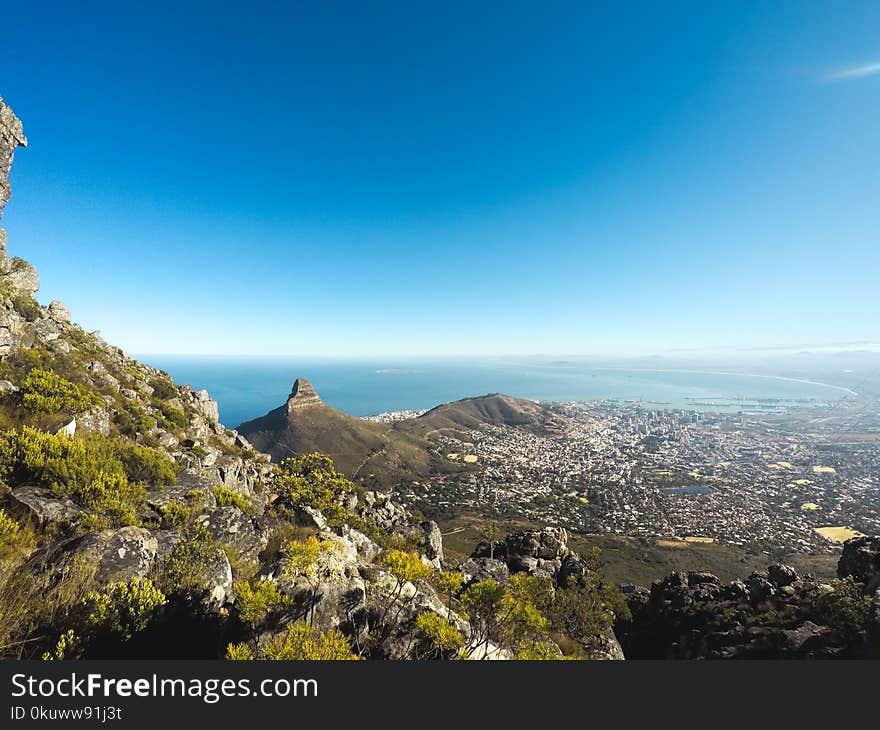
<point x="409" y="181"/>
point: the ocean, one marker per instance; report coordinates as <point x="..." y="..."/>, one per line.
<point x="249" y="387"/>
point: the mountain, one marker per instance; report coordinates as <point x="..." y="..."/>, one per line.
<point x="390" y="452"/>
<point x="472" y="413"/>
<point x="305" y="424"/>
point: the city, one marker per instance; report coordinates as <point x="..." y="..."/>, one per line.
<point x="799" y="479"/>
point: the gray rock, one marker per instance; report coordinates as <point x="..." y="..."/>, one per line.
<point x="22" y="276"/>
<point x="58" y="311"/>
<point x="861" y="560"/>
<point x="782" y="575"/>
<point x="96" y="420"/>
<point x="433" y="542"/>
<point x="183" y="490"/>
<point x="477" y="569"/>
<point x="118" y="555"/>
<point x="230" y="526"/>
<point x="695" y="578"/>
<point x="7" y="387"/>
<point x="11" y="136"/>
<point x="42" y="507"/>
<point x="759" y="588"/>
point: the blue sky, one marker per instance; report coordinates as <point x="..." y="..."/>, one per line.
<point x="404" y="178"/>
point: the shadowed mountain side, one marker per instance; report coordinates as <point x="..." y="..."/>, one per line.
<point x="393" y="452"/>
<point x="305" y="424"/>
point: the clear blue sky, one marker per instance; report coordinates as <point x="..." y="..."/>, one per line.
<point x="411" y="178"/>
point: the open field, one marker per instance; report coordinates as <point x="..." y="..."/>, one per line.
<point x="641" y="561"/>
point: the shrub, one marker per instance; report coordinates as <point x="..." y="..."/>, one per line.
<point x="176" y="515"/>
<point x="507" y="616"/>
<point x="123" y="608"/>
<point x="106" y="476"/>
<point x="26" y="306"/>
<point x="70" y="464"/>
<point x="134" y="419"/>
<point x="110" y="500"/>
<point x="844" y="608"/>
<point x="8" y="526"/>
<point x="163" y="388"/>
<point x="303" y="642"/>
<point x="239" y="652"/>
<point x="67" y="647"/>
<point x="405" y="566"/>
<point x="442" y="635"/>
<point x="312" y="481"/>
<point x="45" y="392"/>
<point x="186" y="569"/>
<point x="255" y="601"/>
<point x="227" y="497"/>
<point x="169" y="417"/>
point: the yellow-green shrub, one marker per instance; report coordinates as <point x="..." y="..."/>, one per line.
<point x="255" y="601"/>
<point x="123" y="608"/>
<point x="45" y="392"/>
<point x="227" y="497"/>
<point x="304" y="642"/>
<point x="442" y="634"/>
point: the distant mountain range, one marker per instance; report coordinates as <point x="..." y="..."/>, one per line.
<point x="390" y="452"/>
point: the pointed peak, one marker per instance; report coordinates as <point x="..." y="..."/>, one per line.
<point x="302" y="395"/>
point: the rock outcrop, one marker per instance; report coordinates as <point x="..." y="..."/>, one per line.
<point x="771" y="615"/>
<point x="11" y="137"/>
<point x="302" y="395"/>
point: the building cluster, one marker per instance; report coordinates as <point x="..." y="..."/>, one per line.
<point x="764" y="481"/>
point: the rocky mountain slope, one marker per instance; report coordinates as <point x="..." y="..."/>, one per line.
<point x="134" y="524"/>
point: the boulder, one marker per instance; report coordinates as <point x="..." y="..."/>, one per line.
<point x="476" y="569"/>
<point x="759" y="588"/>
<point x="58" y="311"/>
<point x="96" y="420"/>
<point x="116" y="555"/>
<point x="432" y="542"/>
<point x="781" y="575"/>
<point x="188" y="489"/>
<point x="861" y="560"/>
<point x="20" y="275"/>
<point x="232" y="527"/>
<point x="42" y="507"/>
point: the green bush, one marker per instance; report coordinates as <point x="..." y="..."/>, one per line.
<point x="304" y="642"/>
<point x="186" y="569"/>
<point x="169" y="417"/>
<point x="67" y="647"/>
<point x="70" y="465"/>
<point x="255" y="601"/>
<point x="8" y="526"/>
<point x="405" y="566"/>
<point x="441" y="634"/>
<point x="844" y="608"/>
<point x="312" y="481"/>
<point x="239" y="652"/>
<point x="176" y="515"/>
<point x="227" y="497"/>
<point x="163" y="388"/>
<point x="134" y="419"/>
<point x="106" y="476"/>
<point x="45" y="392"/>
<point x="123" y="608"/>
